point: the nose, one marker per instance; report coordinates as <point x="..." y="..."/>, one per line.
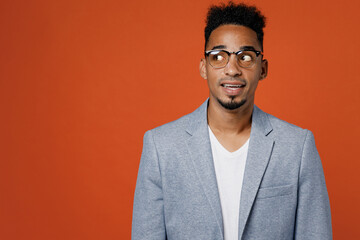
<point x="232" y="68"/>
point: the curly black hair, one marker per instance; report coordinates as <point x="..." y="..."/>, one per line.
<point x="238" y="14"/>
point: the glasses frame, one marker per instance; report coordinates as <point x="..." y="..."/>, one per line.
<point x="207" y="53"/>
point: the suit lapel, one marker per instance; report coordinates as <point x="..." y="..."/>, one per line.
<point x="260" y="148"/>
<point x="200" y="151"/>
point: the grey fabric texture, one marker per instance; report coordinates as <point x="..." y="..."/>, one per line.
<point x="284" y="195"/>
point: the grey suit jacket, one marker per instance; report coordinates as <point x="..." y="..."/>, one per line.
<point x="283" y="196"/>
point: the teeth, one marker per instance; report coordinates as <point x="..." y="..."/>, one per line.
<point x="232" y="86"/>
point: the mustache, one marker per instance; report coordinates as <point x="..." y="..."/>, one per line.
<point x="232" y="79"/>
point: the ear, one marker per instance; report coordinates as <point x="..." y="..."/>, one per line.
<point x="264" y="69"/>
<point x="202" y="68"/>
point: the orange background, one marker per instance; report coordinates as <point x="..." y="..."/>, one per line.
<point x="81" y="81"/>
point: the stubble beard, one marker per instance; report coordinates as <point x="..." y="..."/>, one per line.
<point x="232" y="104"/>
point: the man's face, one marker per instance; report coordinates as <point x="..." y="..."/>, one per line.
<point x="233" y="86"/>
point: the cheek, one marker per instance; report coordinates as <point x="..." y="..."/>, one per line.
<point x="212" y="77"/>
<point x="255" y="76"/>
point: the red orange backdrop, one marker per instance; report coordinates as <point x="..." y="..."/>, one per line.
<point x="82" y="80"/>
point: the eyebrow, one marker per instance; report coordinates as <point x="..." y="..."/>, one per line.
<point x="219" y="47"/>
<point x="243" y="48"/>
<point x="247" y="48"/>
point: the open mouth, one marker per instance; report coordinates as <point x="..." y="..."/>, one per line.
<point x="226" y="85"/>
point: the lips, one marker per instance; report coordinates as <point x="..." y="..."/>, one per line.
<point x="232" y="88"/>
<point x="226" y="85"/>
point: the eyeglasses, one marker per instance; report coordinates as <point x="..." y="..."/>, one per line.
<point x="220" y="58"/>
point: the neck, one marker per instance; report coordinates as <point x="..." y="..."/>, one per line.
<point x="235" y="121"/>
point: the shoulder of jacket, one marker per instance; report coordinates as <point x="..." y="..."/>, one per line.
<point x="286" y="129"/>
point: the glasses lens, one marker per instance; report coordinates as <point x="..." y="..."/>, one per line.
<point x="218" y="59"/>
<point x="246" y="58"/>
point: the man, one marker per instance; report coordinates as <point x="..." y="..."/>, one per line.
<point x="229" y="170"/>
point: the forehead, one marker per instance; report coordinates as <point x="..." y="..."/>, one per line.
<point x="233" y="37"/>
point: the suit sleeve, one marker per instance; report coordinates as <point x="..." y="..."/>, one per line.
<point x="148" y="210"/>
<point x="313" y="217"/>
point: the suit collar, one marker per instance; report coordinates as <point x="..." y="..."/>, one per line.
<point x="198" y="119"/>
<point x="260" y="121"/>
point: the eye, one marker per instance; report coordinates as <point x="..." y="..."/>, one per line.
<point x="246" y="58"/>
<point x="217" y="56"/>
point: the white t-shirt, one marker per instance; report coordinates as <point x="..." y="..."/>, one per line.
<point x="229" y="169"/>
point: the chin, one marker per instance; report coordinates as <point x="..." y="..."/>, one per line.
<point x="231" y="104"/>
